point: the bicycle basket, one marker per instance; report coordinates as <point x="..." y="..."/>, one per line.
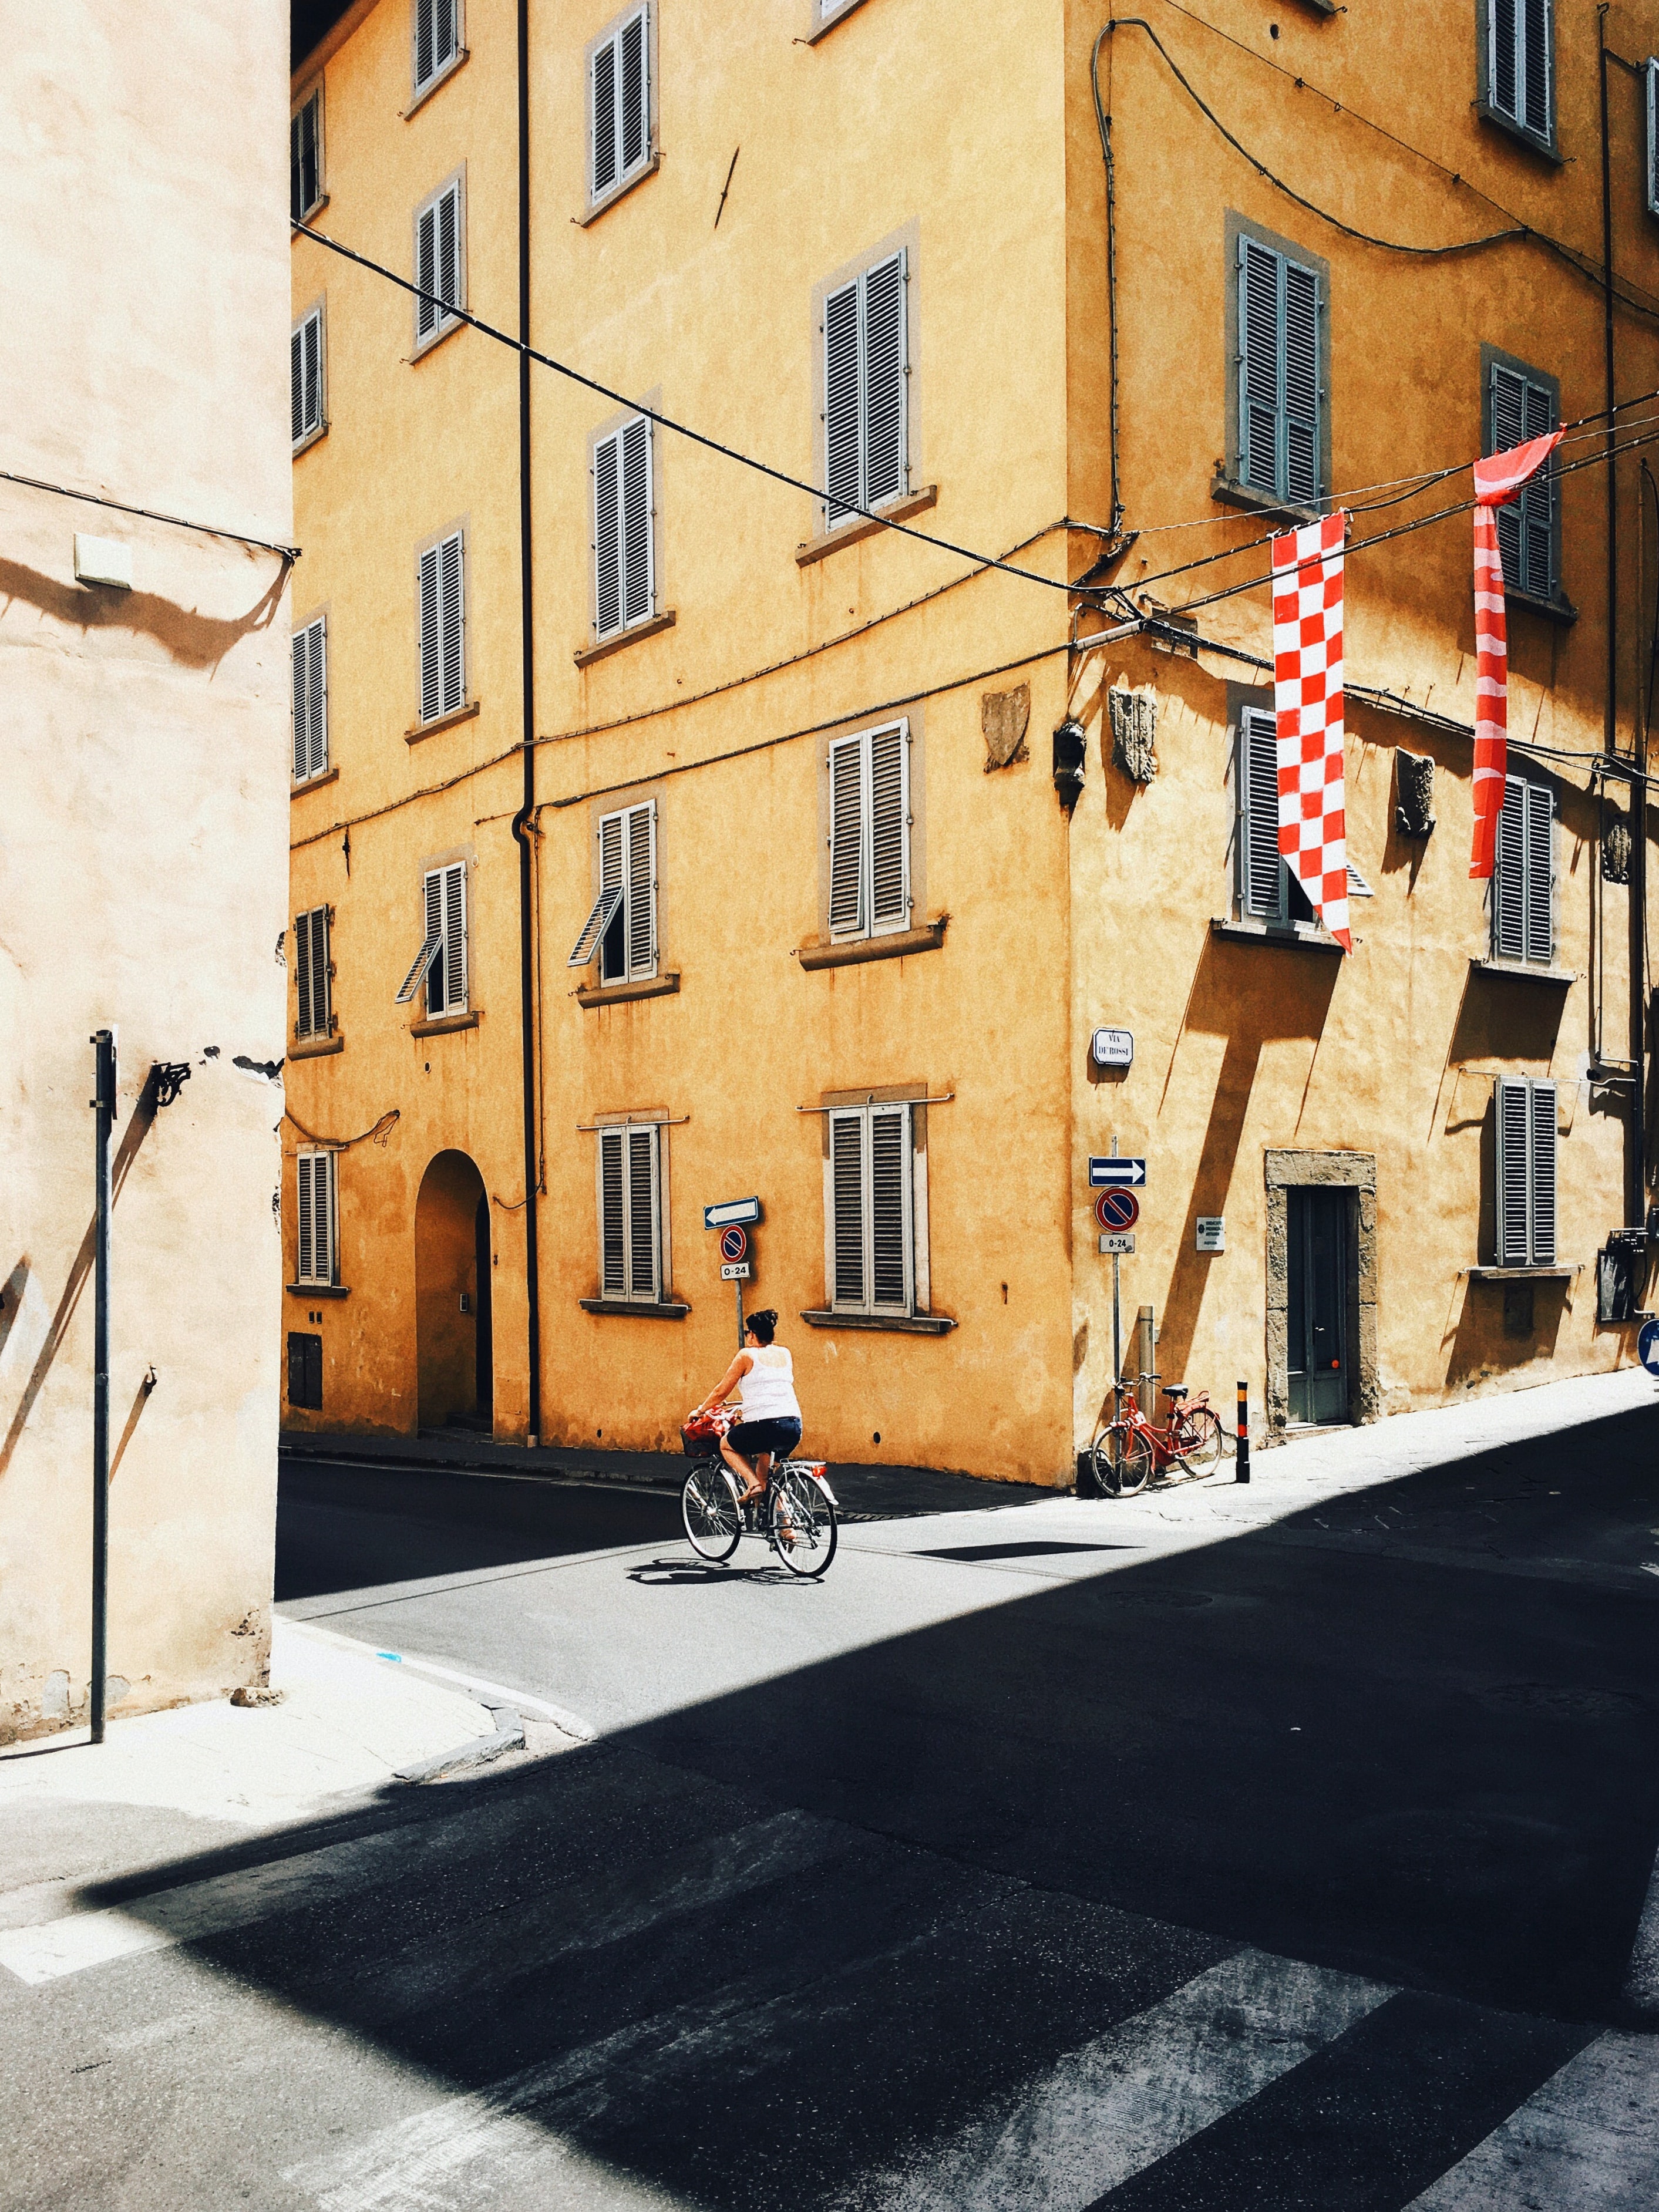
<point x="702" y="1434"/>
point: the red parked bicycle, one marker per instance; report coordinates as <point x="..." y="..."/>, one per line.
<point x="1129" y="1450"/>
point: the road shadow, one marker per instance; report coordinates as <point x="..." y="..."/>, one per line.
<point x="754" y="1951"/>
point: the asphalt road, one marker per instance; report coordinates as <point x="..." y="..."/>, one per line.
<point x="1224" y="1849"/>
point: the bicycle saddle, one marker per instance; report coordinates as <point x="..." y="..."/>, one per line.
<point x="1175" y="1391"/>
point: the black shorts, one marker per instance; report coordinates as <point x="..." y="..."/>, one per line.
<point x="779" y="1438"/>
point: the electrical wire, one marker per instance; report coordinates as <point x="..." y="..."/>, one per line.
<point x="666" y="422"/>
<point x="380" y="1133"/>
<point x="289" y="553"/>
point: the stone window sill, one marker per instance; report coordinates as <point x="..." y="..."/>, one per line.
<point x="1561" y="979"/>
<point x="607" y="646"/>
<point x="1563" y="1274"/>
<point x="621" y="189"/>
<point x="445" y="1023"/>
<point x="901" y="1324"/>
<point x="443" y="76"/>
<point x="823" y="29"/>
<point x="1519" y="132"/>
<point x="316" y="1048"/>
<point x="864" y="526"/>
<point x="316" y="209"/>
<point x="311" y="438"/>
<point x="618" y="994"/>
<point x="313" y="782"/>
<point x="1556" y="610"/>
<point x="317" y="1290"/>
<point x="429" y="345"/>
<point x="1296" y="936"/>
<point x="440" y="722"/>
<point x="636" y="1309"/>
<point x="856" y="950"/>
<point x="1231" y="493"/>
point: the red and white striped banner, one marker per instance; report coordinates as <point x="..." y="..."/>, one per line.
<point x="1496" y="482"/>
<point x="1313" y="828"/>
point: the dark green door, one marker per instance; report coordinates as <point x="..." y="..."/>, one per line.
<point x="1319" y="1305"/>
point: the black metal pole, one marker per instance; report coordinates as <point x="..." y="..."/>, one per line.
<point x="103" y="1105"/>
<point x="1242" y="1469"/>
<point x="523" y="821"/>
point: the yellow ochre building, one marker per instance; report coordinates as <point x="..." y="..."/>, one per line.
<point x="669" y="830"/>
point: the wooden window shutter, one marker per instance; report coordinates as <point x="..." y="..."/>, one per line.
<point x="453" y="955"/>
<point x="1301" y="480"/>
<point x="1508" y="886"/>
<point x="607" y="535"/>
<point x="1541" y="1101"/>
<point x="310" y="700"/>
<point x="432" y="689"/>
<point x="306" y="376"/>
<point x="296" y="386"/>
<point x="432" y="893"/>
<point x="613" y="1239"/>
<point x="452" y="617"/>
<point x="1259" y="273"/>
<point x="890" y="828"/>
<point x="315" y="1176"/>
<point x="846" y="1182"/>
<point x="1514" y="1129"/>
<point x="311" y="966"/>
<point x="301" y="707"/>
<point x="841" y="439"/>
<point x="642" y="1238"/>
<point x="428" y="311"/>
<point x="613" y="878"/>
<point x="1522" y="409"/>
<point x="1650" y="92"/>
<point x="603" y="116"/>
<point x="1536" y="66"/>
<point x="1260" y="871"/>
<point x="637" y="549"/>
<point x="884" y="381"/>
<point x="619" y="105"/>
<point x="448" y="285"/>
<point x="889" y="1208"/>
<point x="1521" y="65"/>
<point x="1540" y="915"/>
<point x="633" y="104"/>
<point x="302" y="973"/>
<point x="304" y="178"/>
<point x="641" y="891"/>
<point x="846" y="818"/>
<point x="437" y="39"/>
<point x="306" y="1212"/>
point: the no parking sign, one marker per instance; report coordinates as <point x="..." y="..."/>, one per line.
<point x="734" y="1243"/>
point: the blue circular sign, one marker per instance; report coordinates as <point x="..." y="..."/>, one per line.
<point x="1647" y="1347"/>
<point x="734" y="1242"/>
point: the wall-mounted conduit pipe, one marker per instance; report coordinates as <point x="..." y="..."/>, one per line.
<point x="1104" y="122"/>
<point x="523" y="821"/>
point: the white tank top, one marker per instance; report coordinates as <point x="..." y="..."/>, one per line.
<point x="768" y="1389"/>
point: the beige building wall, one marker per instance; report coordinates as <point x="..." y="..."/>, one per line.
<point x="142" y="358"/>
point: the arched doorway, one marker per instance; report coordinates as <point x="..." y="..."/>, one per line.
<point x="452" y="1297"/>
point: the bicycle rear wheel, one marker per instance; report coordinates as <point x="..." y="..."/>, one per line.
<point x="709" y="1509"/>
<point x="1202" y="1445"/>
<point x="1123" y="1460"/>
<point x="801" y="1507"/>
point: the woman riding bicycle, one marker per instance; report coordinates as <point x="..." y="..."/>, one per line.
<point x="763" y="1374"/>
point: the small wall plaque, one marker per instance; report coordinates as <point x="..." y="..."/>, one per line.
<point x="1212" y="1232"/>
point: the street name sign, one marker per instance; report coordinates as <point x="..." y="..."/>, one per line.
<point x="737" y="1272"/>
<point x="1132" y="1172"/>
<point x="1112" y="1048"/>
<point x="1118" y="1240"/>
<point x="736" y="1209"/>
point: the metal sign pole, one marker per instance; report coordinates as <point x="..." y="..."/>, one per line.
<point x="1117" y="1325"/>
<point x="104" y="1106"/>
<point x="737" y="1286"/>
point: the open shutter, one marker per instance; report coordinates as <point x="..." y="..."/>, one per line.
<point x="636" y="546"/>
<point x="613" y="1238"/>
<point x="599" y="918"/>
<point x="846" y="1190"/>
<point x="453" y="664"/>
<point x="436" y="974"/>
<point x="613" y="878"/>
<point x="884" y="381"/>
<point x="1259" y="271"/>
<point x="642" y="1239"/>
<point x="1301" y="325"/>
<point x="607" y="535"/>
<point x="296" y="386"/>
<point x="454" y="927"/>
<point x="1542" y="1100"/>
<point x="632" y="94"/>
<point x="432" y="689"/>
<point x="311" y="333"/>
<point x="1260" y="871"/>
<point x="1539" y="916"/>
<point x="427" y="311"/>
<point x="1514" y="1118"/>
<point x="1508" y="888"/>
<point x="890" y="828"/>
<point x="846" y="835"/>
<point x="841" y="403"/>
<point x="302" y="973"/>
<point x="604" y="117"/>
<point x="643" y="889"/>
<point x="889" y="1209"/>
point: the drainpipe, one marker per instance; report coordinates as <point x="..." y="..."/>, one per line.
<point x="1104" y="121"/>
<point x="103" y="1103"/>
<point x="524" y="820"/>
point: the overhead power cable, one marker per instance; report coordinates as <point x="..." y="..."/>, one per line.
<point x="289" y="553"/>
<point x="666" y="422"/>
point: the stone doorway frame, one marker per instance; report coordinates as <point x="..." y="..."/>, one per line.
<point x="1356" y="1172"/>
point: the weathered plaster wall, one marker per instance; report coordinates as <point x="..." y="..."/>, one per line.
<point x="140" y="841"/>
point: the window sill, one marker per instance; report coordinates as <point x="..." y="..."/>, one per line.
<point x="1228" y="492"/>
<point x="901" y="1324"/>
<point x="1519" y="132"/>
<point x="314" y="782"/>
<point x="635" y="1309"/>
<point x="311" y="438"/>
<point x="1533" y="972"/>
<point x="445" y="1023"/>
<point x="864" y="526"/>
<point x="316" y="1048"/>
<point x="854" y="952"/>
<point x="462" y="53"/>
<point x="607" y="646"/>
<point x="1296" y="935"/>
<point x="440" y="722"/>
<point x="317" y="1290"/>
<point x="618" y="994"/>
<point x="1556" y="610"/>
<point x="823" y="29"/>
<point x="620" y="189"/>
<point x="1562" y="1274"/>
<point x="425" y="346"/>
<point x="316" y="209"/>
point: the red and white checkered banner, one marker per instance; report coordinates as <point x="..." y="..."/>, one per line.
<point x="1313" y="828"/>
<point x="1496" y="482"/>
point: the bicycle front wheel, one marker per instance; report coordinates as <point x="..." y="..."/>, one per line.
<point x="1201" y="1445"/>
<point x="709" y="1509"/>
<point x="803" y="1523"/>
<point x="1123" y="1460"/>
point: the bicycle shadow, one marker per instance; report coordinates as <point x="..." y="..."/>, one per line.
<point x="712" y="1574"/>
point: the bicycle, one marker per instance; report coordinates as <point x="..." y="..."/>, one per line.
<point x="796" y="1514"/>
<point x="1128" y="1450"/>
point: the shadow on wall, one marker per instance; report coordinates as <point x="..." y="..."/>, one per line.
<point x="452" y="1294"/>
<point x="1505" y="1326"/>
<point x="194" y="640"/>
<point x="1252" y="996"/>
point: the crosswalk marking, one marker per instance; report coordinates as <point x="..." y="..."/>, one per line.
<point x="1131" y="2095"/>
<point x="1588" y="2139"/>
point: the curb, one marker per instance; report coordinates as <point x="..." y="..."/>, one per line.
<point x="481" y="1750"/>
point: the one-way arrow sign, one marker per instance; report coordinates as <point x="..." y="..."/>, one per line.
<point x="1110" y="1171"/>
